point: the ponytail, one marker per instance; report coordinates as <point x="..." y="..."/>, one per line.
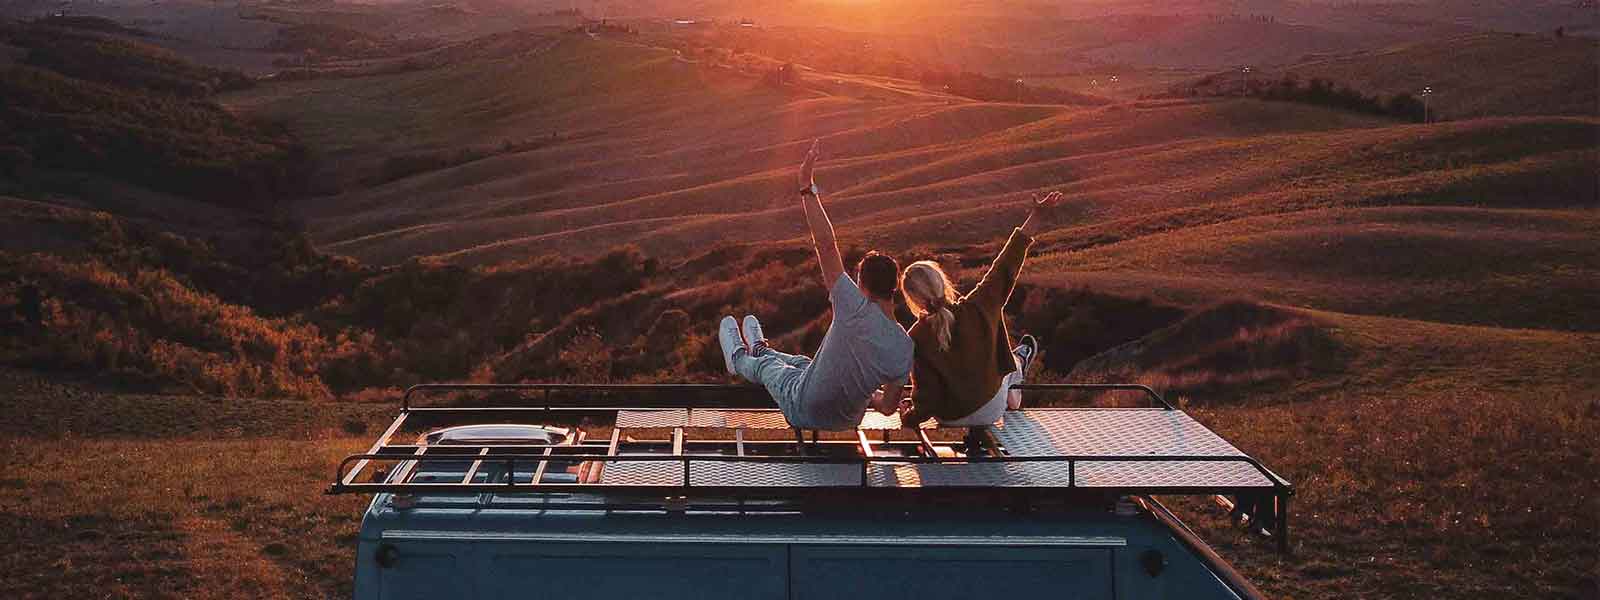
<point x="929" y="293"/>
<point x="942" y="319"/>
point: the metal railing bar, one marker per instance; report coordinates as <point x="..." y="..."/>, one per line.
<point x="677" y="450"/>
<point x="538" y="472"/>
<point x="1071" y="460"/>
<point x="773" y="492"/>
<point x="842" y="460"/>
<point x="476" y="464"/>
<point x="759" y="394"/>
<point x="462" y="452"/>
<point x="382" y="441"/>
<point x="410" y="465"/>
<point x="599" y="468"/>
<point x="686" y="459"/>
<point x="866" y="456"/>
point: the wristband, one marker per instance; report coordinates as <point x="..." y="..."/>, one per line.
<point x="810" y="189"/>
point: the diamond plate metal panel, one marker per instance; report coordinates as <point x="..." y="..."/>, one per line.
<point x="652" y="419"/>
<point x="738" y="474"/>
<point x="877" y="422"/>
<point x="991" y="474"/>
<point x="1114" y="432"/>
<point x="729" y="419"/>
<point x="1117" y="432"/>
<point x="735" y="419"/>
<point x="1169" y="474"/>
<point x="730" y="474"/>
<point x="640" y="472"/>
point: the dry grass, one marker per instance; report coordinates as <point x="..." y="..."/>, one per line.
<point x="1511" y="268"/>
<point x="1222" y="354"/>
<point x="124" y="496"/>
<point x="176" y="517"/>
<point x="1449" y="461"/>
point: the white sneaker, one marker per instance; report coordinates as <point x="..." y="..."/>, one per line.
<point x="753" y="334"/>
<point x="728" y="336"/>
<point x="1026" y="351"/>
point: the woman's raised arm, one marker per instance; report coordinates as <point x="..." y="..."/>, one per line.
<point x="995" y="288"/>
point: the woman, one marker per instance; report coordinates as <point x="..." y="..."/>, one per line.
<point x="963" y="367"/>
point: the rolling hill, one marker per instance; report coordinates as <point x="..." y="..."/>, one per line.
<point x="667" y="154"/>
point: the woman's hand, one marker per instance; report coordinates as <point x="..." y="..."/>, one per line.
<point x="809" y="166"/>
<point x="1048" y="203"/>
<point x="1040" y="210"/>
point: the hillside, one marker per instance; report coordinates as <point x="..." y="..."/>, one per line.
<point x="590" y="161"/>
<point x="1478" y="75"/>
<point x="86" y="108"/>
<point x="1445" y="264"/>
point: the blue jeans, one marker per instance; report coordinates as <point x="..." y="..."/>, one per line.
<point x="780" y="373"/>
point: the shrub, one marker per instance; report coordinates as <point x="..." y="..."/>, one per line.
<point x="1219" y="352"/>
<point x="1075" y="324"/>
<point x="87" y="55"/>
<point x="1317" y="91"/>
<point x="149" y="324"/>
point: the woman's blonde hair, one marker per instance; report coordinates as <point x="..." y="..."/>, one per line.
<point x="930" y="294"/>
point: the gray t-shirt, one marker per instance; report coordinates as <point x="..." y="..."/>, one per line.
<point x="862" y="350"/>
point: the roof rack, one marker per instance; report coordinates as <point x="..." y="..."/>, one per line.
<point x="689" y="443"/>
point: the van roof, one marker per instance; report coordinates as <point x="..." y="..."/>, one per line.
<point x="704" y="444"/>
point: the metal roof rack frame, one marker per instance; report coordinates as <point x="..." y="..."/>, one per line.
<point x="1042" y="453"/>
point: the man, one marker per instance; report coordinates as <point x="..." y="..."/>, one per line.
<point x="864" y="349"/>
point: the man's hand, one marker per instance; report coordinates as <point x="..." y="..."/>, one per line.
<point x="881" y="403"/>
<point x="877" y="402"/>
<point x="809" y="166"/>
<point x="906" y="408"/>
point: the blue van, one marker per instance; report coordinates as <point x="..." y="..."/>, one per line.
<point x="664" y="494"/>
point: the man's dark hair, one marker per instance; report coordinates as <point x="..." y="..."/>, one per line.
<point x="879" y="275"/>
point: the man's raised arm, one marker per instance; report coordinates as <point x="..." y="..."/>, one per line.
<point x="817" y="218"/>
